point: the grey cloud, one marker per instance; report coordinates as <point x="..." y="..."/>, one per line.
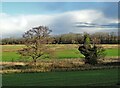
<point x="84" y="24"/>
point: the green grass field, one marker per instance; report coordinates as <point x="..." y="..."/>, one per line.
<point x="9" y="52"/>
<point x="112" y="52"/>
<point x="72" y="78"/>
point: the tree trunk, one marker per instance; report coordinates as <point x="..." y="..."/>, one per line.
<point x="34" y="61"/>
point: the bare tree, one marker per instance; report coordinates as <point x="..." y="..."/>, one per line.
<point x="36" y="40"/>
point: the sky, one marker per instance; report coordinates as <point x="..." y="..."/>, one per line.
<point x="60" y="17"/>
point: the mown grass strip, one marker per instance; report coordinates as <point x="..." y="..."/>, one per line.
<point x="72" y="78"/>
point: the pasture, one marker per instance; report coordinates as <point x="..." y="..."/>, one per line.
<point x="61" y="51"/>
<point x="102" y="77"/>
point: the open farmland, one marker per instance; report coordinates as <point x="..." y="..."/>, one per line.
<point x="92" y="77"/>
<point x="102" y="77"/>
<point x="61" y="51"/>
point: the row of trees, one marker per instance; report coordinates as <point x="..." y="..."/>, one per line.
<point x="6" y="41"/>
<point x="73" y="38"/>
<point x="99" y="37"/>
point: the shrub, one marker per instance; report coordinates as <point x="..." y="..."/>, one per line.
<point x="91" y="52"/>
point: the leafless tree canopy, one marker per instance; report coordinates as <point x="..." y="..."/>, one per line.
<point x="36" y="40"/>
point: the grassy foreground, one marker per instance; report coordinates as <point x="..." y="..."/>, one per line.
<point x="77" y="78"/>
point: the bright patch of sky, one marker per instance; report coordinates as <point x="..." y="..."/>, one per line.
<point x="61" y="17"/>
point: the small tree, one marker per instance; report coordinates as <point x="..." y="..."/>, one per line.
<point x="35" y="41"/>
<point x="91" y="52"/>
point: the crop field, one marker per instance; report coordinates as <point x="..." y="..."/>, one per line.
<point x="71" y="78"/>
<point x="9" y="52"/>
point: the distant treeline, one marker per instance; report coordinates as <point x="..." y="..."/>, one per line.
<point x="73" y="38"/>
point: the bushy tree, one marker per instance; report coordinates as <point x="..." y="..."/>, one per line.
<point x="91" y="52"/>
<point x="36" y="40"/>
